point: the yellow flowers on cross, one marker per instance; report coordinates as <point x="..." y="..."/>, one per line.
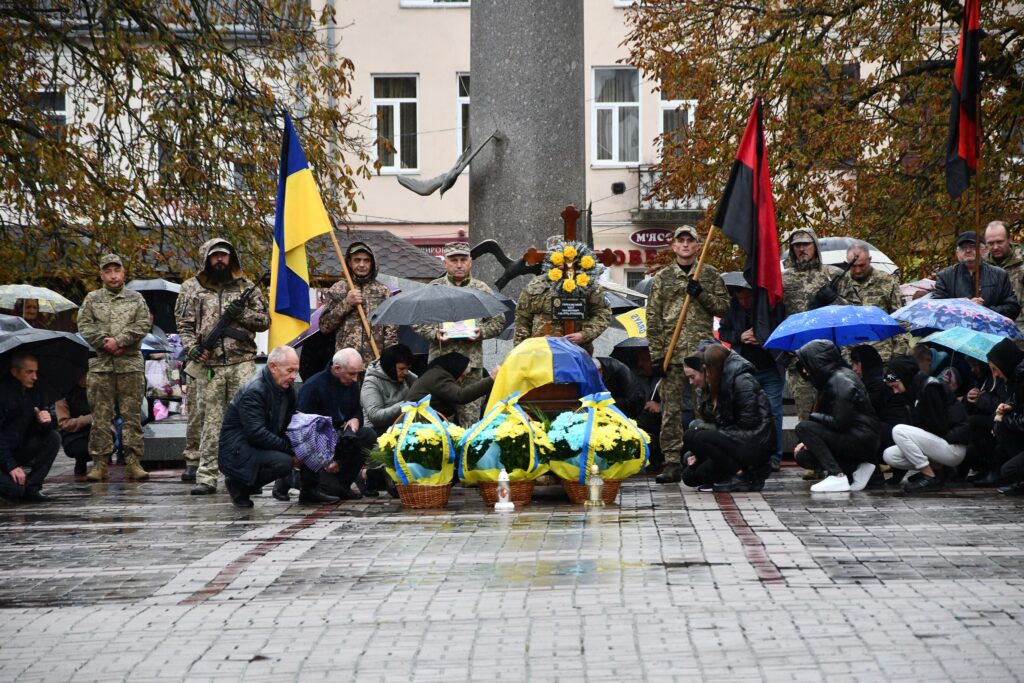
<point x="572" y="268"/>
<point x="587" y="262"/>
<point x="568" y="285"/>
<point x="570" y="252"/>
<point x="582" y="280"/>
<point x="555" y="274"/>
<point x="557" y="258"/>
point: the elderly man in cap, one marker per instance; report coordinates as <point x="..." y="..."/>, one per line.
<point x="114" y="320"/>
<point x="340" y="316"/>
<point x="215" y="375"/>
<point x="459" y="263"/>
<point x="957" y="281"/>
<point x="708" y="298"/>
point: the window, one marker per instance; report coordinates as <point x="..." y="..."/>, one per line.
<point x="616" y="116"/>
<point x="462" y="115"/>
<point x="434" y="3"/>
<point x="676" y="116"/>
<point x="634" y="276"/>
<point x="394" y="100"/>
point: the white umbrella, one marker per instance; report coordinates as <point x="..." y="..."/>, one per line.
<point x="49" y="300"/>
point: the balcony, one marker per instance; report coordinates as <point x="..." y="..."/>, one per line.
<point x="673" y="209"/>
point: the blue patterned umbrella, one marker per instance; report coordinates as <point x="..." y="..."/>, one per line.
<point x="968" y="342"/>
<point x="928" y="315"/>
<point x="843" y="325"/>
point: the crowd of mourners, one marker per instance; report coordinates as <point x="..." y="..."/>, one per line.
<point x="887" y="414"/>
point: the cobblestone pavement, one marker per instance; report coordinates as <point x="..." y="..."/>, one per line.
<point x="142" y="581"/>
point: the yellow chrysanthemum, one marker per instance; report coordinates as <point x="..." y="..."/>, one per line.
<point x="557" y="258"/>
<point x="570" y="252"/>
<point x="587" y="262"/>
<point x="555" y="274"/>
<point x="582" y="280"/>
<point x="568" y="285"/>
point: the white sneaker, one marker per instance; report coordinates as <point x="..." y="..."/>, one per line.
<point x="861" y="475"/>
<point x="837" y="483"/>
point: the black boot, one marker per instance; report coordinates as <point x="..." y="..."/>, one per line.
<point x="737" y="484"/>
<point x="672" y="473"/>
<point x="239" y="493"/>
<point x="81" y="466"/>
<point x="281" y="488"/>
<point x="988" y="479"/>
<point x="315" y="496"/>
<point x="189" y="475"/>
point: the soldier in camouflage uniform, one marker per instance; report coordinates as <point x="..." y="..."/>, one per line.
<point x="534" y="311"/>
<point x="114" y="320"/>
<point x="340" y="316"/>
<point x="806" y="285"/>
<point x="216" y="376"/>
<point x="708" y="298"/>
<point x="875" y="288"/>
<point x="1000" y="251"/>
<point x="458" y="263"/>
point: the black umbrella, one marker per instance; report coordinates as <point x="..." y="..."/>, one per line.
<point x="13" y="323"/>
<point x="437" y="304"/>
<point x="160" y="296"/>
<point x="735" y="279"/>
<point x="63" y="358"/>
<point x="619" y="303"/>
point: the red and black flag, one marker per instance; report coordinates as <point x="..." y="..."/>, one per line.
<point x="746" y="215"/>
<point x="964" y="141"/>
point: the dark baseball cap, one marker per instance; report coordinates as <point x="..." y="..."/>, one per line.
<point x="965" y="237"/>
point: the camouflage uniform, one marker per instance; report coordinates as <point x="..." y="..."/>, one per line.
<point x="534" y="314"/>
<point x="881" y="289"/>
<point x="800" y="282"/>
<point x="1013" y="264"/>
<point x="341" y="319"/>
<point x="468" y="413"/>
<point x="664" y="304"/>
<point x="201" y="303"/>
<point x="120" y="380"/>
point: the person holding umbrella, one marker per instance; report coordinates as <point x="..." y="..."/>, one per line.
<point x="114" y="320"/>
<point x="27" y="436"/>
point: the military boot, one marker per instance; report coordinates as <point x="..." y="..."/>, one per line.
<point x="99" y="471"/>
<point x="133" y="470"/>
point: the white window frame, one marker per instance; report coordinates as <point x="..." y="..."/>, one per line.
<point x="615" y="107"/>
<point x="672" y="105"/>
<point x="432" y="4"/>
<point x="460" y="144"/>
<point x="396" y="103"/>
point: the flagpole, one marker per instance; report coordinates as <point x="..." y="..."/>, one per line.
<point x="978" y="236"/>
<point x="686" y="301"/>
<point x="351" y="286"/>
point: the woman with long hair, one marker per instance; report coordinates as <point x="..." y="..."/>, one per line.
<point x="730" y="446"/>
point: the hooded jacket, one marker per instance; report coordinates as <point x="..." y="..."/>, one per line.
<point x="202" y="302"/>
<point x="743" y="411"/>
<point x="445" y="393"/>
<point x="937" y="410"/>
<point x="801" y="281"/>
<point x="957" y="282"/>
<point x="843" y="403"/>
<point x="1009" y="358"/>
<point x="381" y="396"/>
<point x="342" y="320"/>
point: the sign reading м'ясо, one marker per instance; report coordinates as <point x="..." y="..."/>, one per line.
<point x="651" y="237"/>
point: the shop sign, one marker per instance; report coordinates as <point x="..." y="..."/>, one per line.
<point x="651" y="237"/>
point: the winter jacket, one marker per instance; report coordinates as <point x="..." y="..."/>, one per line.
<point x="18" y="419"/>
<point x="843" y="403"/>
<point x="324" y="394"/>
<point x="381" y="396"/>
<point x="121" y="314"/>
<point x="202" y="302"/>
<point x="620" y="381"/>
<point x="256" y="419"/>
<point x="992" y="392"/>
<point x="743" y="411"/>
<point x="732" y="326"/>
<point x="1014" y="420"/>
<point x="445" y="393"/>
<point x="957" y="282"/>
<point x="665" y="303"/>
<point x="936" y="410"/>
<point x="801" y="281"/>
<point x="890" y="408"/>
<point x="1013" y="264"/>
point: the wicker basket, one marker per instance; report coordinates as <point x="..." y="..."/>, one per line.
<point x="579" y="493"/>
<point x="522" y="492"/>
<point x="422" y="496"/>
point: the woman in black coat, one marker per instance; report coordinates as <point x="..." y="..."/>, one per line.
<point x="443" y="381"/>
<point x="1007" y="363"/>
<point x="983" y="396"/>
<point x="734" y="456"/>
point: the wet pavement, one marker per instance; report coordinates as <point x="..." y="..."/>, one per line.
<point x="140" y="581"/>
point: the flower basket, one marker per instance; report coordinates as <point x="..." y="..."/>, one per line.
<point x="505" y="438"/>
<point x="418" y="453"/>
<point x="579" y="493"/>
<point x="598" y="433"/>
<point x="521" y="492"/>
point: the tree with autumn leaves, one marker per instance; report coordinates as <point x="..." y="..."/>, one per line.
<point x="856" y="97"/>
<point x="143" y="127"/>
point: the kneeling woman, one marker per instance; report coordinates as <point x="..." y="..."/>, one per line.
<point x="734" y="456"/>
<point x="443" y="381"/>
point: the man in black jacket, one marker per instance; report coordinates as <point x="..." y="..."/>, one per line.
<point x="254" y="449"/>
<point x="1007" y="363"/>
<point x="27" y="434"/>
<point x="957" y="281"/>
<point x="334" y="393"/>
<point x="842" y="432"/>
<point x="890" y="407"/>
<point x="619" y="380"/>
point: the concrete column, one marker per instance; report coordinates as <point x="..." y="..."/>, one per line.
<point x="527" y="81"/>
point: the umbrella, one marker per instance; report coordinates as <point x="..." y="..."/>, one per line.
<point x="928" y="315"/>
<point x="968" y="342"/>
<point x="437" y="304"/>
<point x="843" y="325"/>
<point x="13" y="323"/>
<point x="49" y="300"/>
<point x="160" y="296"/>
<point x="633" y="343"/>
<point x="63" y="358"/>
<point x="618" y="303"/>
<point x="909" y="289"/>
<point x="832" y="251"/>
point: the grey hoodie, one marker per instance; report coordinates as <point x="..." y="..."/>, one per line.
<point x="381" y="396"/>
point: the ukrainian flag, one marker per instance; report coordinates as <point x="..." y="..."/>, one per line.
<point x="543" y="360"/>
<point x="301" y="216"/>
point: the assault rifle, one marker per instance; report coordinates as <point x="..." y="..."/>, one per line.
<point x="223" y="327"/>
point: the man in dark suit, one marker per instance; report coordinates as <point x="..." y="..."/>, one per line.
<point x="28" y="438"/>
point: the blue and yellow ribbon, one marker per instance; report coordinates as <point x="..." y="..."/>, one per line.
<point x="410" y="411"/>
<point x="594" y="404"/>
<point x="511" y="405"/>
